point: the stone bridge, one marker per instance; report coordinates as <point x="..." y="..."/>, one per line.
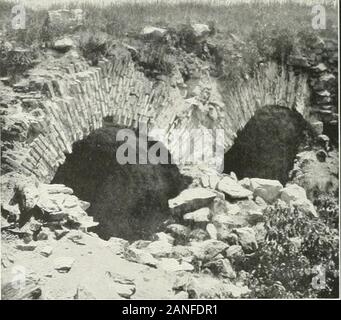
<point x="64" y="100"/>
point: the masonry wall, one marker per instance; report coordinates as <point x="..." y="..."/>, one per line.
<point x="63" y="100"/>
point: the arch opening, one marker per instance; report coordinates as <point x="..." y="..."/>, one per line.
<point x="266" y="147"/>
<point x="129" y="201"/>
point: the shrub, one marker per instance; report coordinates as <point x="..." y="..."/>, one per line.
<point x="16" y="61"/>
<point x="295" y="247"/>
<point x="94" y="45"/>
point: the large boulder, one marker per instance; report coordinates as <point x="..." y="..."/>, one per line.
<point x="140" y="256"/>
<point x="200" y="31"/>
<point x="233" y="189"/>
<point x="63" y="264"/>
<point x="159" y="249"/>
<point x="190" y="200"/>
<point x="247" y="239"/>
<point x="172" y="265"/>
<point x="63" y="44"/>
<point x="179" y="232"/>
<point x="67" y="20"/>
<point x="209" y="287"/>
<point x="295" y="196"/>
<point x="292" y="192"/>
<point x="117" y="245"/>
<point x="199" y="216"/>
<point x="221" y="267"/>
<point x="153" y="33"/>
<point x="208" y="249"/>
<point x="269" y="190"/>
<point x="305" y="206"/>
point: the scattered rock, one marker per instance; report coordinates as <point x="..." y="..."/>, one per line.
<point x="60" y="233"/>
<point x="153" y="33"/>
<point x="232" y="209"/>
<point x="321" y="67"/>
<point x="140" y="244"/>
<point x="182" y="252"/>
<point x="179" y="232"/>
<point x="63" y="264"/>
<point x="233" y="176"/>
<point x="237" y="291"/>
<point x="181" y="295"/>
<point x="190" y="200"/>
<point x="247" y="239"/>
<point x="64" y="19"/>
<point x="198" y="235"/>
<point x="212" y="231"/>
<point x="46" y="251"/>
<point x="43" y="234"/>
<point x="233" y="189"/>
<point x="140" y="256"/>
<point x="245" y="183"/>
<point x="254" y="217"/>
<point x="172" y="265"/>
<point x="305" y="206"/>
<point x="200" y="215"/>
<point x="125" y="287"/>
<point x="208" y="287"/>
<point x="63" y="44"/>
<point x="221" y="267"/>
<point x="117" y="245"/>
<point x="292" y="192"/>
<point x="234" y="252"/>
<point x="208" y="249"/>
<point x="260" y="202"/>
<point x="76" y="236"/>
<point x="200" y="31"/>
<point x="268" y="190"/>
<point x="214" y="180"/>
<point x="82" y="293"/>
<point x="161" y="236"/>
<point x="224" y="222"/>
<point x="159" y="249"/>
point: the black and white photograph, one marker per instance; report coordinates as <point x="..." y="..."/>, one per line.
<point x="181" y="150"/>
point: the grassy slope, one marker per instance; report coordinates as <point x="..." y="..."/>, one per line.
<point x="240" y="19"/>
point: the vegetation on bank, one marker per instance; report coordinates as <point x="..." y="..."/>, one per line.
<point x="267" y="31"/>
<point x="299" y="257"/>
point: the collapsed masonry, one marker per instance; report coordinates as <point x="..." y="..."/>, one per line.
<point x="216" y="219"/>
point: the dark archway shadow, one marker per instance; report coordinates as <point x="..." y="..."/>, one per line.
<point x="129" y="201"/>
<point x="267" y="145"/>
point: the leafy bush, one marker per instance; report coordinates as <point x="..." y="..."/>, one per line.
<point x="15" y="61"/>
<point x="94" y="45"/>
<point x="287" y="261"/>
<point x="155" y="58"/>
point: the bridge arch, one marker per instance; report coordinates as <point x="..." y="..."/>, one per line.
<point x="65" y="100"/>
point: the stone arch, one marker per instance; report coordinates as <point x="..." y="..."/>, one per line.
<point x="64" y="100"/>
<point x="268" y="144"/>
